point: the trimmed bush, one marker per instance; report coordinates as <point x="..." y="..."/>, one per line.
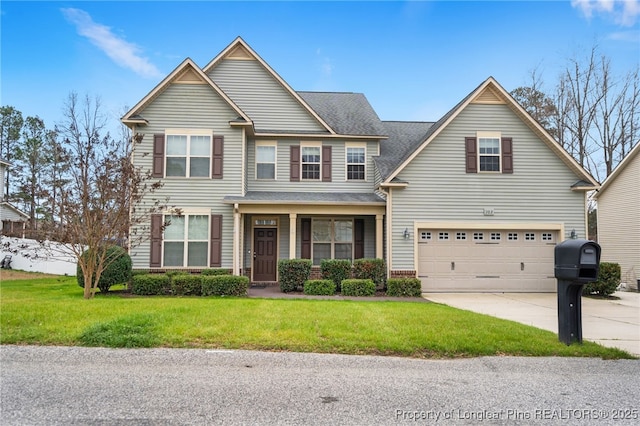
<point x="225" y="285"/>
<point x="215" y="271"/>
<point x="117" y="271"/>
<point x="373" y="269"/>
<point x="358" y="287"/>
<point x="186" y="285"/>
<point x="320" y="287"/>
<point x="293" y="273"/>
<point x="608" y="280"/>
<point x="335" y="270"/>
<point x="151" y="284"/>
<point x="404" y="287"/>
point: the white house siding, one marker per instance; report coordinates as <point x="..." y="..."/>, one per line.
<point x="619" y="222"/>
<point x="7" y="213"/>
<point x="194" y="106"/>
<point x="338" y="182"/>
<point x="441" y="191"/>
<point x="262" y="97"/>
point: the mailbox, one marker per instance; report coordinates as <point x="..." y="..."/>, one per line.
<point x="577" y="262"/>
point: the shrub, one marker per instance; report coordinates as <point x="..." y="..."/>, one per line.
<point x="608" y="280"/>
<point x="404" y="287"/>
<point x="358" y="287"/>
<point x="373" y="269"/>
<point x="151" y="284"/>
<point x="293" y="273"/>
<point x="215" y="271"/>
<point x="320" y="287"/>
<point x="186" y="285"/>
<point x="224" y="285"/>
<point x="118" y="271"/>
<point x="335" y="270"/>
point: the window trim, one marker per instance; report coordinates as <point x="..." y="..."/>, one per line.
<point x="360" y="145"/>
<point x="188" y="133"/>
<point x="185" y="253"/>
<point x="304" y="145"/>
<point x="275" y="159"/>
<point x="333" y="241"/>
<point x="489" y="135"/>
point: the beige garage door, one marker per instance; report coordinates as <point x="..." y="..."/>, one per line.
<point x="486" y="260"/>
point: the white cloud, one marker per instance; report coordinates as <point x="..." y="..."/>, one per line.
<point x="623" y="12"/>
<point x="123" y="53"/>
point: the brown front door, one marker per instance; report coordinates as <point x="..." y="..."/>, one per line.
<point x="264" y="255"/>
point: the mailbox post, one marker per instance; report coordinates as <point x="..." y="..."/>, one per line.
<point x="576" y="263"/>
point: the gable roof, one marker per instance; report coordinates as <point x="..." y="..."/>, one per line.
<point x="347" y="113"/>
<point x="186" y="72"/>
<point x="239" y="49"/>
<point x="9" y="206"/>
<point x="490" y="92"/>
<point x="404" y="138"/>
<point x="634" y="153"/>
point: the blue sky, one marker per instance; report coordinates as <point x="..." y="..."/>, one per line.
<point x="413" y="60"/>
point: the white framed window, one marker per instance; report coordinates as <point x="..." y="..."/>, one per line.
<point x="188" y="153"/>
<point x="266" y="161"/>
<point x="513" y="236"/>
<point x="529" y="236"/>
<point x="489" y="151"/>
<point x="186" y="240"/>
<point x="332" y="239"/>
<point x="356" y="155"/>
<point x="496" y="236"/>
<point x="443" y="236"/>
<point x="462" y="236"/>
<point x="425" y="235"/>
<point x="311" y="160"/>
<point x="547" y="236"/>
<point x="478" y="236"/>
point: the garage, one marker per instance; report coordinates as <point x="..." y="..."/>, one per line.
<point x="486" y="260"/>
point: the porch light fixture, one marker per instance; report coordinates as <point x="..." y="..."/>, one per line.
<point x="405" y="234"/>
<point x="573" y="234"/>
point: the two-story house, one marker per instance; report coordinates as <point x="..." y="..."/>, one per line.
<point x="261" y="172"/>
<point x="13" y="219"/>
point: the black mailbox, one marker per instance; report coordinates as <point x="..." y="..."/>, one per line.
<point x="577" y="262"/>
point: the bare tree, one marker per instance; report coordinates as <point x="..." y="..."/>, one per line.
<point x="106" y="195"/>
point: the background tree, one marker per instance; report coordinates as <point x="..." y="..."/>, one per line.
<point x="540" y="106"/>
<point x="106" y="194"/>
<point x="10" y="128"/>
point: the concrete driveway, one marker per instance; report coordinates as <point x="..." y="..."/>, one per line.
<point x="611" y="323"/>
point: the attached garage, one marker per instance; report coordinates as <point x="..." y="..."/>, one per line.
<point x="486" y="260"/>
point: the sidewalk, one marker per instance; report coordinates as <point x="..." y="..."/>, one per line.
<point x="611" y="323"/>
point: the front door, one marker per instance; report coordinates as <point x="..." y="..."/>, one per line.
<point x="264" y="255"/>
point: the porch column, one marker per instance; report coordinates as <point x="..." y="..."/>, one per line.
<point x="236" y="240"/>
<point x="379" y="237"/>
<point x="292" y="235"/>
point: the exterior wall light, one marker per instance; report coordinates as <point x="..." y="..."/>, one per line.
<point x="573" y="234"/>
<point x="405" y="234"/>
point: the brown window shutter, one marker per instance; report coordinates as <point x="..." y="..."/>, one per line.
<point x="158" y="155"/>
<point x="471" y="149"/>
<point x="157" y="222"/>
<point x="294" y="163"/>
<point x="215" y="259"/>
<point x="358" y="249"/>
<point x="305" y="248"/>
<point x="216" y="158"/>
<point x="507" y="155"/>
<point x="326" y="163"/>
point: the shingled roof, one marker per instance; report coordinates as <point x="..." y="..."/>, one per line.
<point x="404" y="138"/>
<point x="346" y="113"/>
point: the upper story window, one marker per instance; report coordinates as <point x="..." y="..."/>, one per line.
<point x="265" y="161"/>
<point x="489" y="158"/>
<point x="310" y="162"/>
<point x="356" y="162"/>
<point x="188" y="155"/>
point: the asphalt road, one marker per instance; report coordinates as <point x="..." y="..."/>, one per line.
<point x="95" y="386"/>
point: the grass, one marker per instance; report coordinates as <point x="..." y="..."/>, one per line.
<point x="51" y="311"/>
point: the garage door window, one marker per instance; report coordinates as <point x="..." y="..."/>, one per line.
<point x="513" y="236"/>
<point x="547" y="237"/>
<point x="495" y="236"/>
<point x="425" y="236"/>
<point x="443" y="236"/>
<point x="478" y="236"/>
<point x="461" y="236"/>
<point x="530" y="236"/>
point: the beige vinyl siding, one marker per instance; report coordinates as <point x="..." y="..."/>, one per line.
<point x="441" y="191"/>
<point x="194" y="106"/>
<point x="262" y="97"/>
<point x="619" y="222"/>
<point x="338" y="183"/>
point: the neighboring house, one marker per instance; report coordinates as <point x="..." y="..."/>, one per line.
<point x="473" y="202"/>
<point x="13" y="220"/>
<point x="619" y="218"/>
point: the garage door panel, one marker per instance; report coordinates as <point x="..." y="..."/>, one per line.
<point x="487" y="260"/>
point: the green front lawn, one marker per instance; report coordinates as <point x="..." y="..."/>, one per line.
<point x="51" y="311"/>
